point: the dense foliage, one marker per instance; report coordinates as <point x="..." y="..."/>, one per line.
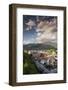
<point x="28" y="65"/>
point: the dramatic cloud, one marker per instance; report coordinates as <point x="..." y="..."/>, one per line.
<point x="30" y="24"/>
<point x="46" y="31"/>
<point x="45" y="28"/>
<point x="46" y="37"/>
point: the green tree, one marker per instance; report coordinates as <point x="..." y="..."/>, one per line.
<point x="28" y="65"/>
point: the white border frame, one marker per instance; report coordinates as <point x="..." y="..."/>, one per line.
<point x="39" y="77"/>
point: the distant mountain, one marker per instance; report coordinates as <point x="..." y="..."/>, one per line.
<point x="52" y="44"/>
<point x="38" y="46"/>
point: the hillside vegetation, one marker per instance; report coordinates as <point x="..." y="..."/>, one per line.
<point x="28" y="65"/>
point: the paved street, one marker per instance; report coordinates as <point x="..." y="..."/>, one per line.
<point x="42" y="68"/>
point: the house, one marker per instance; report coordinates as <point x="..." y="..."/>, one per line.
<point x="51" y="61"/>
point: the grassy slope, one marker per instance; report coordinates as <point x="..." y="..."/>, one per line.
<point x="28" y="66"/>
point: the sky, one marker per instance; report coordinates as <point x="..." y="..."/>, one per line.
<point x="39" y="29"/>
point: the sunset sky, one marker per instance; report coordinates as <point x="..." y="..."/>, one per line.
<point x="39" y="29"/>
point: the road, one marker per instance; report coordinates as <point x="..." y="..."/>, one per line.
<point x="42" y="68"/>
